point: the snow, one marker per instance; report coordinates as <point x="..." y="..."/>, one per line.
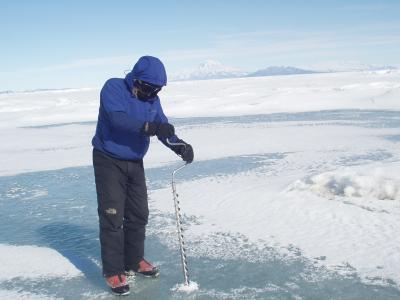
<point x="333" y="192"/>
<point x="365" y="184"/>
<point x="190" y="288"/>
<point x="344" y="231"/>
<point x="258" y="95"/>
<point x="52" y="147"/>
<point x="225" y="97"/>
<point x="32" y="262"/>
<point x="21" y="295"/>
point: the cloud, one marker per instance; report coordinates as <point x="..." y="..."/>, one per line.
<point x="77" y="64"/>
<point x="189" y="54"/>
<point x="89" y="62"/>
<point x="254" y="34"/>
<point x="274" y="44"/>
<point x="293" y="41"/>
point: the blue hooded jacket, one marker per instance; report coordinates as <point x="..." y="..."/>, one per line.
<point x="122" y="116"/>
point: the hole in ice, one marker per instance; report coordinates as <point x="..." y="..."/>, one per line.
<point x="181" y="287"/>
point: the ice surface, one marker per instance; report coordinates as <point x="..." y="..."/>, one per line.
<point x="343" y="232"/>
<point x="60" y="124"/>
<point x="295" y="182"/>
<point x="21" y="295"/>
<point x="217" y="253"/>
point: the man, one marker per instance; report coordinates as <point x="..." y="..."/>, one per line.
<point x="130" y="113"/>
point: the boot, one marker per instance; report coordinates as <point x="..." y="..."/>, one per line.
<point x="144" y="268"/>
<point x="118" y="285"/>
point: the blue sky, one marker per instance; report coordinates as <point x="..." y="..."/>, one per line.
<point x="57" y="44"/>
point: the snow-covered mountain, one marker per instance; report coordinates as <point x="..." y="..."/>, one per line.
<point x="280" y="70"/>
<point x="210" y="69"/>
<point x="6" y="92"/>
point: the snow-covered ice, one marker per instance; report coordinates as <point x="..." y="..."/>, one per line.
<point x="32" y="262"/>
<point x="296" y="179"/>
<point x="21" y="295"/>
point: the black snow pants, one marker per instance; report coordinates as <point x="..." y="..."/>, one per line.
<point x="123" y="211"/>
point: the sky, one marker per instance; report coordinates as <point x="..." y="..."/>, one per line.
<point x="72" y="44"/>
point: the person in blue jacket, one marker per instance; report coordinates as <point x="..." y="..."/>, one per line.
<point x="130" y="113"/>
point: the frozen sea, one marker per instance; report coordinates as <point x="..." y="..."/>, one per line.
<point x="277" y="205"/>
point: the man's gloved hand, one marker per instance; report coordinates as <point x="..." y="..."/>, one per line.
<point x="150" y="128"/>
<point x="188" y="154"/>
<point x="185" y="151"/>
<point x="162" y="130"/>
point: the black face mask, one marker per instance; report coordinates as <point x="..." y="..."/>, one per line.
<point x="144" y="90"/>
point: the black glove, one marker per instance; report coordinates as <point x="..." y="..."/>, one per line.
<point x="149" y="128"/>
<point x="188" y="154"/>
<point x="162" y="130"/>
<point x="185" y="151"/>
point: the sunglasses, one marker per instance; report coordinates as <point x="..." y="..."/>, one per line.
<point x="146" y="90"/>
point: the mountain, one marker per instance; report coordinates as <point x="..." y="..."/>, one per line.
<point x="42" y="90"/>
<point x="210" y="69"/>
<point x="279" y="70"/>
<point x="6" y="92"/>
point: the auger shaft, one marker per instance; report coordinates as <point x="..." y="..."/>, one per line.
<point x="179" y="228"/>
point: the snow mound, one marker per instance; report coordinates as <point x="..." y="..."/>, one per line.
<point x="32" y="262"/>
<point x="377" y="184"/>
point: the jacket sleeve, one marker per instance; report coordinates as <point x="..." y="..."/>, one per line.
<point x="111" y="97"/>
<point x="162" y="118"/>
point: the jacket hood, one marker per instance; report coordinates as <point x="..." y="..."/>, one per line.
<point x="149" y="69"/>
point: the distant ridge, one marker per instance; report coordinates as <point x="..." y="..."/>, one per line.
<point x="43" y="90"/>
<point x="6" y="92"/>
<point x="280" y="70"/>
<point x="211" y="69"/>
